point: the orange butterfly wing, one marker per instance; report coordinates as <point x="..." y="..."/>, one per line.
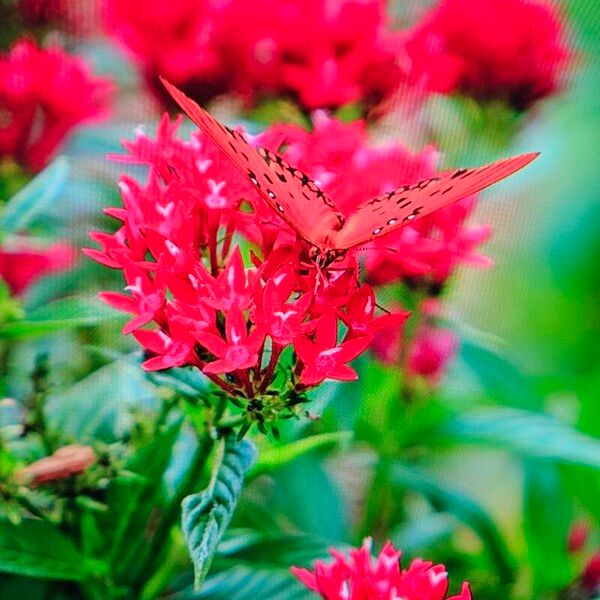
<point x="291" y="193"/>
<point x="380" y="215"/>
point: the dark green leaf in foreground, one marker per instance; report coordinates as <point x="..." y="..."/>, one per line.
<point x="37" y="549"/>
<point x="28" y="202"/>
<point x="207" y="514"/>
<point x="66" y="313"/>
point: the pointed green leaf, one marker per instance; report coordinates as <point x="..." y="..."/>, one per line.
<point x="276" y="456"/>
<point x="66" y="313"/>
<point x="28" y="202"/>
<point x="86" y="412"/>
<point x="206" y="515"/>
<point x="524" y="432"/>
<point x="37" y="549"/>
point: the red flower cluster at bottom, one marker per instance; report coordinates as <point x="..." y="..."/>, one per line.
<point x="357" y="577"/>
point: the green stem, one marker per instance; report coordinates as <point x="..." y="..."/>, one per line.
<point x="382" y="506"/>
<point x="152" y="555"/>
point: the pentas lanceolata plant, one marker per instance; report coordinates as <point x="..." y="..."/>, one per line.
<point x="357" y="577"/>
<point x="510" y="50"/>
<point x="230" y="287"/>
<point x="321" y="54"/>
<point x="44" y="95"/>
<point x="214" y="279"/>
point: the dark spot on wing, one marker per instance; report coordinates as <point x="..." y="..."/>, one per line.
<point x="281" y="177"/>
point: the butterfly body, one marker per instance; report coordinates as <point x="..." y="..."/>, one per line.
<point x="313" y="215"/>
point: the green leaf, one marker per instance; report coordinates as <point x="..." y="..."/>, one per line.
<point x="250" y="547"/>
<point x="528" y="433"/>
<point x="135" y="498"/>
<point x="464" y="509"/>
<point x="546" y="521"/>
<point x="423" y="532"/>
<point x="189" y="382"/>
<point x="37" y="549"/>
<point x="247" y="583"/>
<point x="306" y="495"/>
<point x="501" y="380"/>
<point x="86" y="412"/>
<point x="206" y="515"/>
<point x="66" y="313"/>
<point x="276" y="456"/>
<point x="28" y="202"/>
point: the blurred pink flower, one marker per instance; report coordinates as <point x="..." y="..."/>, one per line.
<point x="432" y="350"/>
<point x="22" y="264"/>
<point x="357" y="577"/>
<point x="513" y="50"/>
<point x="44" y="94"/>
<point x="429" y="352"/>
<point x="175" y="40"/>
<point x="66" y="462"/>
<point x="590" y="579"/>
<point x="78" y="18"/>
<point x="323" y="54"/>
<point x="578" y="536"/>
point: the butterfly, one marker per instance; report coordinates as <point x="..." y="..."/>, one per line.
<point x="300" y="202"/>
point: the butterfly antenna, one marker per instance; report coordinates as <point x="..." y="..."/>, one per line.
<point x="379" y="248"/>
<point x="385" y="310"/>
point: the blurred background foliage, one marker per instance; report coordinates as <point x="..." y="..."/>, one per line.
<point x="487" y="476"/>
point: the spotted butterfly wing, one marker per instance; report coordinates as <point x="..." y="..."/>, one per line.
<point x="289" y="191"/>
<point x="313" y="215"/>
<point x="384" y="213"/>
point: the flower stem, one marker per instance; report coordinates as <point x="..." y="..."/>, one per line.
<point x="158" y="545"/>
<point x="270" y="368"/>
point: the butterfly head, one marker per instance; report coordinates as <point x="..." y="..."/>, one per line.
<point x="324" y="258"/>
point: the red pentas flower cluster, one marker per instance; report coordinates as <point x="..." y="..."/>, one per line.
<point x="323" y="54"/>
<point x="215" y="279"/>
<point x="513" y="50"/>
<point x="357" y="577"/>
<point x="44" y="94"/>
